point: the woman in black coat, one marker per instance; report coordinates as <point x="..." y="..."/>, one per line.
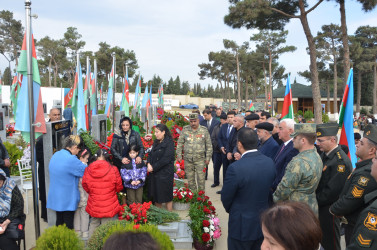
<point x="120" y="146"/>
<point x="161" y="168"/>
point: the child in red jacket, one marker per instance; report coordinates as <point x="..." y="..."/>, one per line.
<point x="102" y="182"/>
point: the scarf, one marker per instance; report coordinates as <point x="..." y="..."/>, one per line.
<point x="6" y="195"/>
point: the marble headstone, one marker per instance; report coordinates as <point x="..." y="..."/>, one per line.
<point x="99" y="128"/>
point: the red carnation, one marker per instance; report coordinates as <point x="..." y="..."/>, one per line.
<point x="205" y="223"/>
<point x="199" y="199"/>
<point x="212" y="208"/>
<point x="209" y="203"/>
<point x="206" y="237"/>
<point x="136" y="226"/>
<point x="201" y="192"/>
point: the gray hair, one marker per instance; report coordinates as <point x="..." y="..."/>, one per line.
<point x="241" y="117"/>
<point x="274" y="121"/>
<point x="289" y="122"/>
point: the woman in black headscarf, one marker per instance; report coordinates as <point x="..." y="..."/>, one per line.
<point x="120" y="145"/>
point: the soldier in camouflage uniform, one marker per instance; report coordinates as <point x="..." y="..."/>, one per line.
<point x="336" y="168"/>
<point x="196" y="143"/>
<point x="359" y="183"/>
<point x="304" y="171"/>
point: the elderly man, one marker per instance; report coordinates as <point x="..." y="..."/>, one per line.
<point x="238" y="124"/>
<point x="358" y="184"/>
<point x="245" y="193"/>
<point x="275" y="132"/>
<point x="336" y="168"/>
<point x="252" y="120"/>
<point x="268" y="146"/>
<point x="286" y="151"/>
<point x="195" y="143"/>
<point x="54" y="115"/>
<point x="304" y="171"/>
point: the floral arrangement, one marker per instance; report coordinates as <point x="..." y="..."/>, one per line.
<point x="10" y="129"/>
<point x="182" y="195"/>
<point x="146" y="213"/>
<point x="205" y="225"/>
<point x="180" y="169"/>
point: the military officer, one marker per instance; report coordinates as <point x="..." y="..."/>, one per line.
<point x="304" y="171"/>
<point x="365" y="233"/>
<point x="358" y="184"/>
<point x="195" y="145"/>
<point x="336" y="168"/>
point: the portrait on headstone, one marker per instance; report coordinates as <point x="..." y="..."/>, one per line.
<point x="102" y="132"/>
<point x="60" y="130"/>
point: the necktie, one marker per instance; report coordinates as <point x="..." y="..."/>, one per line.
<point x="228" y="133"/>
<point x="281" y="150"/>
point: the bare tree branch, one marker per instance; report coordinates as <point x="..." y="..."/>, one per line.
<point x="285" y="14"/>
<point x="315" y="6"/>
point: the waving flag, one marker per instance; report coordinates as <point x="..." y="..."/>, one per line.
<point x="78" y="107"/>
<point x="287" y="111"/>
<point x="150" y="96"/>
<point x="346" y="120"/>
<point x="138" y="94"/>
<point x="86" y="97"/>
<point x="22" y="113"/>
<point x="145" y="97"/>
<point x="100" y="94"/>
<point x="68" y="94"/>
<point x="15" y="88"/>
<point x="110" y="93"/>
<point x="251" y="106"/>
<point x="125" y="105"/>
<point x="93" y="96"/>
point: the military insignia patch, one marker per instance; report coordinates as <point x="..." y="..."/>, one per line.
<point x="363" y="181"/>
<point x="370" y="222"/>
<point x="363" y="242"/>
<point x="339" y="155"/>
<point x="319" y="133"/>
<point x="341" y="168"/>
<point x="357" y="192"/>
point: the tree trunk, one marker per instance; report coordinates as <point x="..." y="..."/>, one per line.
<point x="222" y="91"/>
<point x="228" y="89"/>
<point x="265" y="88"/>
<point x="346" y="49"/>
<point x="358" y="97"/>
<point x="313" y="65"/>
<point x="246" y="93"/>
<point x="335" y="91"/>
<point x="238" y="83"/>
<point x="49" y="72"/>
<point x="328" y="97"/>
<point x="270" y="79"/>
<point x="374" y="91"/>
<point x="55" y="74"/>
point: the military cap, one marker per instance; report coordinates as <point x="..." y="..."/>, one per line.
<point x="265" y="125"/>
<point x="304" y="128"/>
<point x="370" y="132"/>
<point x="252" y="117"/>
<point x="193" y="116"/>
<point x="223" y="116"/>
<point x="327" y="129"/>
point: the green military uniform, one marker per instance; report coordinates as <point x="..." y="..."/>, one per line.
<point x="197" y="147"/>
<point x="358" y="184"/>
<point x="365" y="233"/>
<point x="336" y="168"/>
<point x="302" y="174"/>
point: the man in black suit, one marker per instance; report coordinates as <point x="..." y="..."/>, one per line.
<point x="210" y="123"/>
<point x="245" y="192"/>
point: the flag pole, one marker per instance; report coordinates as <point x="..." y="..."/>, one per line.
<point x="31" y="116"/>
<point x="114" y="87"/>
<point x="88" y="91"/>
<point x="95" y="83"/>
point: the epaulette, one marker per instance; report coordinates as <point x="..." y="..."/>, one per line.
<point x="339" y="156"/>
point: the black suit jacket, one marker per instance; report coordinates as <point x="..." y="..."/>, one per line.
<point x="245" y="194"/>
<point x="214" y="123"/>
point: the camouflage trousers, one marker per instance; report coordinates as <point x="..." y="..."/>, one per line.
<point x="195" y="175"/>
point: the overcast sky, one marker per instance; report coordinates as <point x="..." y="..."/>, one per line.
<point x="170" y="37"/>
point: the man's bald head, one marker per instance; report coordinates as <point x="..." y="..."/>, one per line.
<point x="54" y="115"/>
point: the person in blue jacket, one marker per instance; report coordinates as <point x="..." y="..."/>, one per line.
<point x="245" y="192"/>
<point x="268" y="146"/>
<point x="65" y="169"/>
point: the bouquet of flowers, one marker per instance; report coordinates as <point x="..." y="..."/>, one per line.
<point x="182" y="195"/>
<point x="10" y="129"/>
<point x="180" y="173"/>
<point x="205" y="225"/>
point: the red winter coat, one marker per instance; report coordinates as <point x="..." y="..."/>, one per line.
<point x="102" y="181"/>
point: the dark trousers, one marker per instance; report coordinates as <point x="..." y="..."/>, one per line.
<point x="44" y="210"/>
<point x="65" y="217"/>
<point x="226" y="163"/>
<point x="6" y="171"/>
<point x="234" y="244"/>
<point x="217" y="162"/>
<point x="348" y="233"/>
<point x="8" y="244"/>
<point x="330" y="226"/>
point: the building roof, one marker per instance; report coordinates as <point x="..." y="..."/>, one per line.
<point x="298" y="91"/>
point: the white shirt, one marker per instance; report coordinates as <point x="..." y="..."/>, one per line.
<point x="249" y="151"/>
<point x="286" y="143"/>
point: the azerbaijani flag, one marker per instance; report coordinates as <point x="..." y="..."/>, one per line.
<point x="78" y="106"/>
<point x="145" y="97"/>
<point x="16" y="85"/>
<point x="346" y="120"/>
<point x="110" y="93"/>
<point x="138" y="94"/>
<point x="93" y="96"/>
<point x="125" y="105"/>
<point x="161" y="95"/>
<point x="22" y="113"/>
<point x="287" y="111"/>
<point x="86" y="96"/>
<point x="68" y="94"/>
<point x="251" y="106"/>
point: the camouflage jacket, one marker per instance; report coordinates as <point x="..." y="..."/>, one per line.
<point x="195" y="145"/>
<point x="365" y="231"/>
<point x="301" y="179"/>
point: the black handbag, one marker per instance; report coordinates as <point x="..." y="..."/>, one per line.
<point x="15" y="229"/>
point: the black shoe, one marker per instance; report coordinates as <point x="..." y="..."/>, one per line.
<point x="218" y="192"/>
<point x="214" y="185"/>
